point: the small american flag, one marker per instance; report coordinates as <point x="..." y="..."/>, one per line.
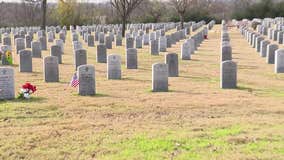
<point x="75" y="81"/>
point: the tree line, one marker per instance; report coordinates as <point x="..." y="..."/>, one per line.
<point x="70" y="12"/>
<point x="66" y="12"/>
<point x="261" y="9"/>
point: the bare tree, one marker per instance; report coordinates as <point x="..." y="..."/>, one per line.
<point x="181" y="7"/>
<point x="156" y="9"/>
<point x="124" y="9"/>
<point x="43" y="8"/>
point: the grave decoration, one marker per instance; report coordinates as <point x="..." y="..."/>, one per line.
<point x="74" y="81"/>
<point x="26" y="91"/>
<point x="6" y="57"/>
<point x="9" y="57"/>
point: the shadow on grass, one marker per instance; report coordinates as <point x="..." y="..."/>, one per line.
<point x="197" y="60"/>
<point x="96" y="95"/>
<point x="188" y="92"/>
<point x="144" y="69"/>
<point x="243" y="88"/>
<point x="247" y="67"/>
<point x="206" y="54"/>
<point x="32" y="99"/>
<point x="29" y="112"/>
<point x="61" y="82"/>
<point x="137" y="80"/>
<point x="33" y="73"/>
<point x="151" y="91"/>
<point x="202" y="79"/>
<point x="36" y="72"/>
<point x="205" y="50"/>
<point x="67" y="64"/>
<point x="272" y="92"/>
<point x="14" y="65"/>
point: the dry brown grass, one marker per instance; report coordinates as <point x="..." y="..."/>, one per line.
<point x="195" y="120"/>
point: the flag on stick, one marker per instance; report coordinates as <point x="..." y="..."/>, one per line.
<point x="74" y="81"/>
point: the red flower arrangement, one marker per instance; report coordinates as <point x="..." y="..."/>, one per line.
<point x="26" y="91"/>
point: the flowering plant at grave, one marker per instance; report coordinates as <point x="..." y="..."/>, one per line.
<point x="6" y="57"/>
<point x="26" y="91"/>
<point x="9" y="57"/>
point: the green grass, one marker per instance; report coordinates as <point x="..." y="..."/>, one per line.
<point x="265" y="148"/>
<point x="262" y="92"/>
<point x="180" y="145"/>
<point x="144" y="147"/>
<point x="183" y="145"/>
<point x="209" y="143"/>
<point x="256" y="147"/>
<point x="229" y="131"/>
<point x="272" y="92"/>
<point x="95" y="95"/>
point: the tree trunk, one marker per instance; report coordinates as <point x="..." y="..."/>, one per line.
<point x="156" y="19"/>
<point x="182" y="21"/>
<point x="43" y="14"/>
<point x="123" y="26"/>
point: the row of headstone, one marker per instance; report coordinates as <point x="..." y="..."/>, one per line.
<point x="191" y="45"/>
<point x="134" y="40"/>
<point x="265" y="48"/>
<point x="131" y="41"/>
<point x="116" y="29"/>
<point x="114" y="61"/>
<point x="211" y="24"/>
<point x="161" y="44"/>
<point x="138" y="38"/>
<point x="228" y="68"/>
<point x="131" y="27"/>
<point x="161" y="71"/>
<point x="36" y="46"/>
<point x="25" y="56"/>
<point x="86" y="73"/>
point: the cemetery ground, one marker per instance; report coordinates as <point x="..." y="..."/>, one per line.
<point x="125" y="120"/>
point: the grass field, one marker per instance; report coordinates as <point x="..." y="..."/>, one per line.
<point x="195" y="120"/>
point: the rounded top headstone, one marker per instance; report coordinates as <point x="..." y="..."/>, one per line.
<point x="280" y="51"/>
<point x="114" y="57"/>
